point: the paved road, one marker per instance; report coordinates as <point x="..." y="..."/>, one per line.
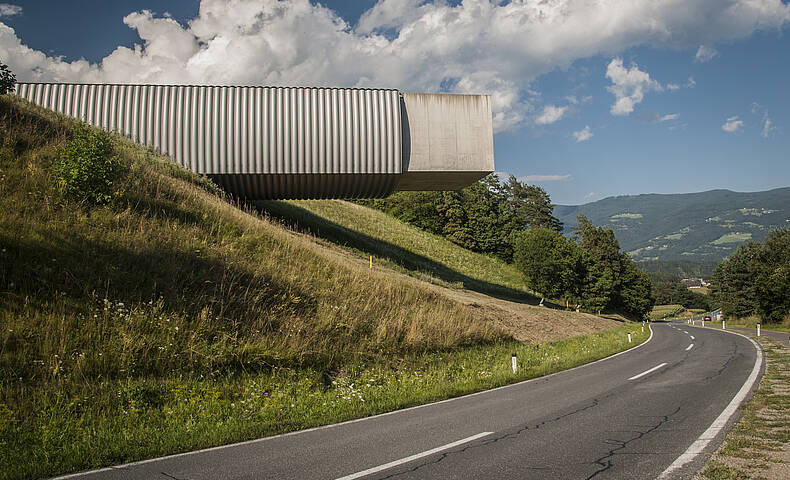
<point x="609" y="419"/>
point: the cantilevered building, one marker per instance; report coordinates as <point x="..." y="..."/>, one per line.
<point x="288" y="142"/>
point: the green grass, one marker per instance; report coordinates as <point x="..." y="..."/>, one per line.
<point x="732" y="238"/>
<point x="396" y="244"/>
<point x="172" y="319"/>
<point x="661" y="312"/>
<point x="751" y="323"/>
<point x="85" y="425"/>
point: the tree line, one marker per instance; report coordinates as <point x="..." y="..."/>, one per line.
<point x="755" y="280"/>
<point x="668" y="290"/>
<point x="588" y="269"/>
<point x="515" y="222"/>
<point x="483" y="217"/>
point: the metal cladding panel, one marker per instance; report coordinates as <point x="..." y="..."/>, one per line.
<point x="447" y="133"/>
<point x="226" y="130"/>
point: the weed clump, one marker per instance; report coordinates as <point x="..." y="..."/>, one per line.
<point x="87" y="168"/>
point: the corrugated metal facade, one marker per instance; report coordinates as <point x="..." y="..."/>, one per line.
<point x="259" y="142"/>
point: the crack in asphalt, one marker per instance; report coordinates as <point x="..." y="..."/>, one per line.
<point x="606" y="461"/>
<point x="490" y="441"/>
<point x="171" y="476"/>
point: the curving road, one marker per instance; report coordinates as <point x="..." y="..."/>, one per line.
<point x="634" y="415"/>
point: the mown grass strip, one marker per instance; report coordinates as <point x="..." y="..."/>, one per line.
<point x="93" y="425"/>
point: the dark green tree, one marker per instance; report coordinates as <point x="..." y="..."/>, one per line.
<point x="531" y="205"/>
<point x="634" y="297"/>
<point x="733" y="282"/>
<point x="548" y="261"/>
<point x="602" y="263"/>
<point x="7" y="79"/>
<point x="772" y="283"/>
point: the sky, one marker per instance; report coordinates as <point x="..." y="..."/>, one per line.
<point x="591" y="98"/>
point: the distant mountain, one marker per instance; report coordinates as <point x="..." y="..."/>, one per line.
<point x="691" y="227"/>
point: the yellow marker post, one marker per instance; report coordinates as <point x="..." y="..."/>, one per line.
<point x="371" y="261"/>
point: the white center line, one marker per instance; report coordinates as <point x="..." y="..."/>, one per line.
<point x="685" y="332"/>
<point x="692" y="337"/>
<point x="413" y="457"/>
<point x="647" y="371"/>
<point x="689" y="347"/>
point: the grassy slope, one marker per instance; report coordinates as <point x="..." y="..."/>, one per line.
<point x="411" y="250"/>
<point x="118" y="322"/>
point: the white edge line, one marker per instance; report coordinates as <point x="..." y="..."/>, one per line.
<point x="718" y="425"/>
<point x="347" y="422"/>
<point x="690" y="347"/>
<point x="648" y="371"/>
<point x="411" y="458"/>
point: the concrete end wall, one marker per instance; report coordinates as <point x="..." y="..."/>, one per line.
<point x="448" y="140"/>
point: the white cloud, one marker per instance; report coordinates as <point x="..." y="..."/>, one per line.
<point x="768" y="127"/>
<point x="476" y="46"/>
<point x="768" y="124"/>
<point x="583" y="135"/>
<point x="545" y="178"/>
<point x="589" y="195"/>
<point x="673" y="87"/>
<point x="705" y="53"/>
<point x="628" y="86"/>
<point x="671" y="116"/>
<point x="551" y="114"/>
<point x="9" y="10"/>
<point x="732" y="125"/>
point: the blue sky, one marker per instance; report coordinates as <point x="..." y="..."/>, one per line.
<point x="632" y="97"/>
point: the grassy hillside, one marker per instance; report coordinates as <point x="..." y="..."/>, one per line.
<point x="411" y="250"/>
<point x="170" y="319"/>
<point x="702" y="227"/>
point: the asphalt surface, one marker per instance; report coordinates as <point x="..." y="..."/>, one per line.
<point x="595" y="421"/>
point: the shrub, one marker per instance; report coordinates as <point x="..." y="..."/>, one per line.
<point x="7" y="79"/>
<point x="86" y="167"/>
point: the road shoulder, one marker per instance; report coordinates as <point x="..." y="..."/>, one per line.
<point x="759" y="445"/>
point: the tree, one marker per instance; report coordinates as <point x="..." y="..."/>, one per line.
<point x="772" y="283"/>
<point x="531" y="205"/>
<point x="635" y="294"/>
<point x="549" y="262"/>
<point x="7" y="79"/>
<point x="733" y="282"/>
<point x="602" y="263"/>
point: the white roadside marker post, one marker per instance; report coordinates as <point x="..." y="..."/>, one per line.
<point x="724" y="324"/>
<point x="629" y="337"/>
<point x="643" y="326"/>
<point x="758" y="329"/>
<point x="514" y="361"/>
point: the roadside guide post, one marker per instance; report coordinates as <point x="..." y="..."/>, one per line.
<point x="514" y="361"/>
<point x="758" y="329"/>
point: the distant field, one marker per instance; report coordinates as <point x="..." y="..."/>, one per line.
<point x="660" y="312"/>
<point x="733" y="238"/>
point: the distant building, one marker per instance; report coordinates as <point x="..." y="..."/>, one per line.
<point x="693" y="282"/>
